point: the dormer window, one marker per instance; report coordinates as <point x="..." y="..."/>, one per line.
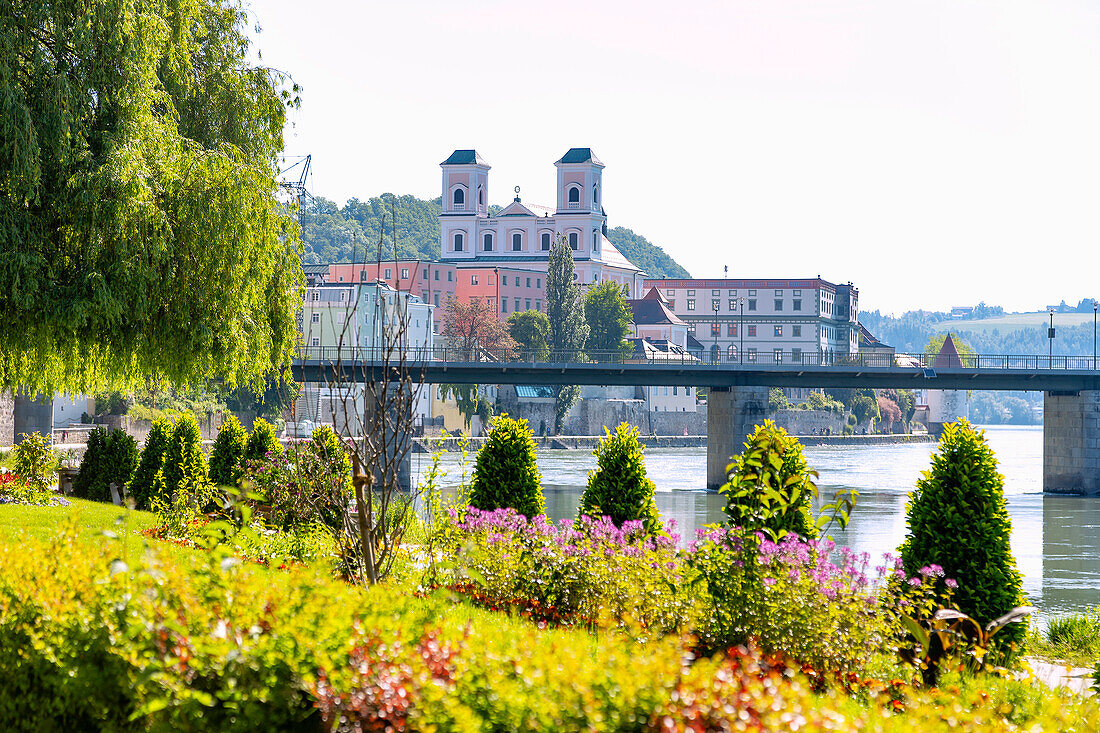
<point x="574" y="242"/>
<point x="459" y="200"/>
<point x="458" y="242"/>
<point x="574" y="197"/>
<point x="487" y="243"/>
<point x="517" y="242"/>
<point x="546" y="241"/>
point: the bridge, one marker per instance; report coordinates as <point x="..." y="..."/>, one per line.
<point x="738" y="389"/>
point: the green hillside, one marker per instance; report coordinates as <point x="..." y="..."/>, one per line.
<point x="1015" y="321"/>
<point x="332" y="233"/>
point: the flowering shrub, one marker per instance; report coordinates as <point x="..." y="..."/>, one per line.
<point x="793" y="597"/>
<point x="14" y="490"/>
<point x="583" y="573"/>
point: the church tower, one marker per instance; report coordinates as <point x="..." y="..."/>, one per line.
<point x="465" y="198"/>
<point x="580" y="201"/>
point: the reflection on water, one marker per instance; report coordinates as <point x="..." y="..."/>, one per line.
<point x="1056" y="539"/>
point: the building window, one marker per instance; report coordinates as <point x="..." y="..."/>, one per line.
<point x="731" y="329"/>
<point x="733" y="293"/>
<point x="503" y="279"/>
<point x="362" y="276"/>
<point x="797" y="305"/>
<point x="458" y="243"/>
<point x="424" y="296"/>
<point x="315" y="296"/>
<point x="389" y="273"/>
<point x="538" y="305"/>
<point x="503" y="305"/>
<point x="778" y="356"/>
<point x="595" y="240"/>
<point x="315" y="341"/>
<point x="715" y="293"/>
<point x="538" y="282"/>
<point x="573" y="240"/>
<point x="751" y="354"/>
<point x="595" y="195"/>
<point x="527" y="304"/>
<point x="460" y="199"/>
<point x="796" y="355"/>
<point x="404" y="273"/>
<point x="672" y="304"/>
<point x="796" y="330"/>
<point x="574" y="196"/>
<point x="528" y="283"/>
<point x="436" y="299"/>
<point x="715" y="329"/>
<point x="450" y="276"/>
<point x="752" y="304"/>
<point x="670" y="293"/>
<point x="340" y="279"/>
<point x="517" y="242"/>
<point x="545" y="241"/>
<point x="797" y="293"/>
<point x="752" y="330"/>
<point x="779" y="293"/>
<point x="778" y="305"/>
<point x="487" y="242"/>
<point x="691" y="293"/>
<point x="752" y="293"/>
<point x="731" y="353"/>
<point x="691" y="304"/>
<point x="779" y="331"/>
<point x="437" y="274"/>
<point x="691" y="327"/>
<point x="473" y="279"/>
<point x="733" y="305"/>
<point x="516" y="304"/>
<point x="315" y="318"/>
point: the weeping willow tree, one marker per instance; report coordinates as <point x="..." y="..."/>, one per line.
<point x="141" y="235"/>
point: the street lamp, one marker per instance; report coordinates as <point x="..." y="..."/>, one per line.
<point x="1094" y="304"/>
<point x="741" y="331"/>
<point x="1050" y="339"/>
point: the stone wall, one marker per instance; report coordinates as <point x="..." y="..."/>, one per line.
<point x="7" y="419"/>
<point x="1071" y="442"/>
<point x="678" y="423"/>
<point x="809" y="422"/>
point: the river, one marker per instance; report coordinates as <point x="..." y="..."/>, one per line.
<point x="1056" y="539"/>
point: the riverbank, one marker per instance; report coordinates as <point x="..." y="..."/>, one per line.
<point x="588" y="442"/>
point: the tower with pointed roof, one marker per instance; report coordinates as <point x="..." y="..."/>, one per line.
<point x="947" y="405"/>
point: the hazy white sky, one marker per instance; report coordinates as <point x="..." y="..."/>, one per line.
<point x="933" y="153"/>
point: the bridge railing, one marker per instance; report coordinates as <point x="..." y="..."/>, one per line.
<point x="709" y="357"/>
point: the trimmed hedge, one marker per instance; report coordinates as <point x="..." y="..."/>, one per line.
<point x="957" y="518"/>
<point x="228" y="453"/>
<point x="184" y="469"/>
<point x="506" y="473"/>
<point x="262" y="441"/>
<point x="142" y="487"/>
<point x="111" y="458"/>
<point x="619" y="487"/>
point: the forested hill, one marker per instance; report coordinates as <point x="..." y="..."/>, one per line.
<point x="345" y="234"/>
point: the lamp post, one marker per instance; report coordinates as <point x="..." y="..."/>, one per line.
<point x="741" y="331"/>
<point x="1050" y="339"/>
<point x="1094" y="304"/>
<point x="717" y="332"/>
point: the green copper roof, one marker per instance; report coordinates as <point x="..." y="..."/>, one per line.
<point x="580" y="155"/>
<point x="464" y="157"/>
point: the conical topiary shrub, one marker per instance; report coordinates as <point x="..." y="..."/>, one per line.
<point x="110" y="458"/>
<point x="957" y="518"/>
<point x="228" y="453"/>
<point x="619" y="487"/>
<point x="142" y="487"/>
<point x="770" y="487"/>
<point x="506" y="473"/>
<point x="262" y="441"/>
<point x="184" y="469"/>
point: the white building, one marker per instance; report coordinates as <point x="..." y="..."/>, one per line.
<point x="361" y="321"/>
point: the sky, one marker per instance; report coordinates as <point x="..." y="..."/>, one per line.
<point x="932" y="153"/>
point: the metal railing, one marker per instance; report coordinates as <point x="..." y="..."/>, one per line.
<point x="444" y="355"/>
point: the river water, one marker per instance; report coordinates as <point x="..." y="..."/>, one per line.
<point x="1056" y="539"/>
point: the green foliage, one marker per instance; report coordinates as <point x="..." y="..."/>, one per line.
<point x="619" y="487"/>
<point x="506" y="473"/>
<point x="183" y="473"/>
<point x="936" y="342"/>
<point x="864" y="408"/>
<point x="608" y="318"/>
<point x="111" y="458"/>
<point x="139" y="217"/>
<point x="262" y="441"/>
<point x="957" y="519"/>
<point x="142" y="487"/>
<point x="777" y="400"/>
<point x="227" y="457"/>
<point x="769" y="487"/>
<point x="568" y="330"/>
<point x="649" y="257"/>
<point x="531" y="331"/>
<point x="34" y="460"/>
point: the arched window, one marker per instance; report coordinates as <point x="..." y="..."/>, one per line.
<point x="731" y="353"/>
<point x="458" y="242"/>
<point x="460" y="198"/>
<point x="487" y="242"/>
<point x="574" y="195"/>
<point x="595" y="195"/>
<point x="480" y="196"/>
<point x="546" y="241"/>
<point x="595" y="240"/>
<point x="517" y="242"/>
<point x="574" y="242"/>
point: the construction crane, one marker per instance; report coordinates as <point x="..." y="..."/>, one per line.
<point x="299" y="190"/>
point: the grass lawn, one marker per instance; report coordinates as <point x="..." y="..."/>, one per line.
<point x="1014" y="322"/>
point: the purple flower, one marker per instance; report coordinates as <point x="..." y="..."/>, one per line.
<point x="951" y="583"/>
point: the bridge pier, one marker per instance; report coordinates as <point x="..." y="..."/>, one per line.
<point x="732" y="413"/>
<point x="1071" y="442"/>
